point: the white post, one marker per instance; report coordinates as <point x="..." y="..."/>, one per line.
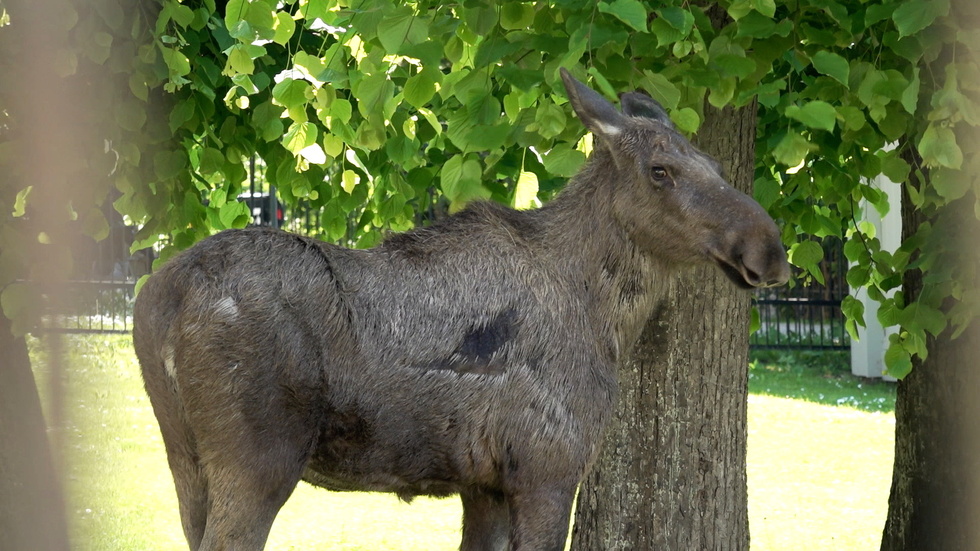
<point x="868" y="353"/>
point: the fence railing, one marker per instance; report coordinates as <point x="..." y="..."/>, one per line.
<point x="806" y="316"/>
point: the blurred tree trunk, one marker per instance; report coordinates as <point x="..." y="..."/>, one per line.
<point x="32" y="511"/>
<point x="935" y="495"/>
<point x="672" y="472"/>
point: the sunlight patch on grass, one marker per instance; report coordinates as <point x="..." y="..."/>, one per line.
<point x="819" y="475"/>
<point x="818" y="472"/>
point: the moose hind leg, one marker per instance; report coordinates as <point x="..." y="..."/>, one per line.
<point x="243" y="503"/>
<point x="486" y="521"/>
<point x="192" y="495"/>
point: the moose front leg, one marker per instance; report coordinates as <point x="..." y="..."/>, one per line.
<point x="486" y="521"/>
<point x="539" y="519"/>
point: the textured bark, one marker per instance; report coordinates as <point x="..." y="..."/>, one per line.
<point x="672" y="473"/>
<point x="935" y="494"/>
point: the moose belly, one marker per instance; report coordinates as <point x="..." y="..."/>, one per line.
<point x="387" y="453"/>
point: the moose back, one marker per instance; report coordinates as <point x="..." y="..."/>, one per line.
<point x="475" y="357"/>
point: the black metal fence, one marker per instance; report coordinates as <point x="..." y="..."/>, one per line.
<point x="806" y="316"/>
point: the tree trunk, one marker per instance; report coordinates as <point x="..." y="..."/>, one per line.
<point x="32" y="511"/>
<point x="935" y="494"/>
<point x="672" y="473"/>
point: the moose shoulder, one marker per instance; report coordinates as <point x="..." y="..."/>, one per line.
<point x="476" y="356"/>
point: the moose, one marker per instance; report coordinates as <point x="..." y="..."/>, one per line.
<point x="475" y="356"/>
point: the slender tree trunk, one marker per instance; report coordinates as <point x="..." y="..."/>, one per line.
<point x="935" y="494"/>
<point x="32" y="512"/>
<point x="672" y="473"/>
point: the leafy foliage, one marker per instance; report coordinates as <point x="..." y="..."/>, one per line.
<point x="370" y="109"/>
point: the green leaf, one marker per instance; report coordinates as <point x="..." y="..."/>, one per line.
<point x="920" y="316"/>
<point x="349" y="180"/>
<point x="853" y="309"/>
<point x="284" y="28"/>
<point x="661" y="89"/>
<point x="212" y="161"/>
<point x="420" y="88"/>
<point x="733" y="65"/>
<point x="372" y="93"/>
<point x="938" y="147"/>
<point x="950" y="184"/>
<point x="291" y="93"/>
<point x="765" y="7"/>
<point x="480" y="19"/>
<point x="755" y="323"/>
<point x="791" y="149"/>
<point x="20" y="203"/>
<point x="181" y="113"/>
<point x="832" y="65"/>
<point x="526" y="191"/>
<point x="401" y="28"/>
<point x="815" y="114"/>
<point x="898" y="362"/>
<point x="235" y="11"/>
<point x="806" y="254"/>
<point x="631" y="12"/>
<point x="895" y="168"/>
<point x="299" y="136"/>
<point x="239" y="61"/>
<point x="169" y="164"/>
<point x="766" y="191"/>
<point x="460" y="178"/>
<point x="889" y="313"/>
<point x="756" y="25"/>
<point x="232" y="214"/>
<point x="516" y="15"/>
<point x="176" y="61"/>
<point x="678" y="18"/>
<point x="492" y="49"/>
<point x="915" y="15"/>
<point x="563" y="160"/>
<point x="341" y="109"/>
<point x="686" y="119"/>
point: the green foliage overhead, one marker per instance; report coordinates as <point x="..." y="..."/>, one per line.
<point x="370" y="109"/>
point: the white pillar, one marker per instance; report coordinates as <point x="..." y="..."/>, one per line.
<point x="868" y="353"/>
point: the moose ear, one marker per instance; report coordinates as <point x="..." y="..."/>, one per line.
<point x="592" y="109"/>
<point x="636" y="104"/>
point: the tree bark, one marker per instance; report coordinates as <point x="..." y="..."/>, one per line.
<point x="672" y="472"/>
<point x="935" y="494"/>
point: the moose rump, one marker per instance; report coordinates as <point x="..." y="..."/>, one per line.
<point x="476" y="356"/>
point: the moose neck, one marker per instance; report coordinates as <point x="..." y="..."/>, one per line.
<point x="622" y="283"/>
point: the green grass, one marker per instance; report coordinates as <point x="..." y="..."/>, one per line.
<point x="820" y="452"/>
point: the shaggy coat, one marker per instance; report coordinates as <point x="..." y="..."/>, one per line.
<point x="476" y="356"/>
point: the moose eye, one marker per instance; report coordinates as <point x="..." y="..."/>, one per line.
<point x="659" y="174"/>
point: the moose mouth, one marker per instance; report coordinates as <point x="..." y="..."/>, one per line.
<point x="742" y="276"/>
<point x="736" y="275"/>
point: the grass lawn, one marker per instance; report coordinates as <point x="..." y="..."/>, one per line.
<point x="820" y="454"/>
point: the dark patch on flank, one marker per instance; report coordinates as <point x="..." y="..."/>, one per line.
<point x="481" y="342"/>
<point x="478" y="351"/>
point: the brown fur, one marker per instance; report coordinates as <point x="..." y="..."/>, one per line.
<point x="477" y="356"/>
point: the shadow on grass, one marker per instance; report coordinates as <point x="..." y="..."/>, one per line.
<point x="823" y="377"/>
